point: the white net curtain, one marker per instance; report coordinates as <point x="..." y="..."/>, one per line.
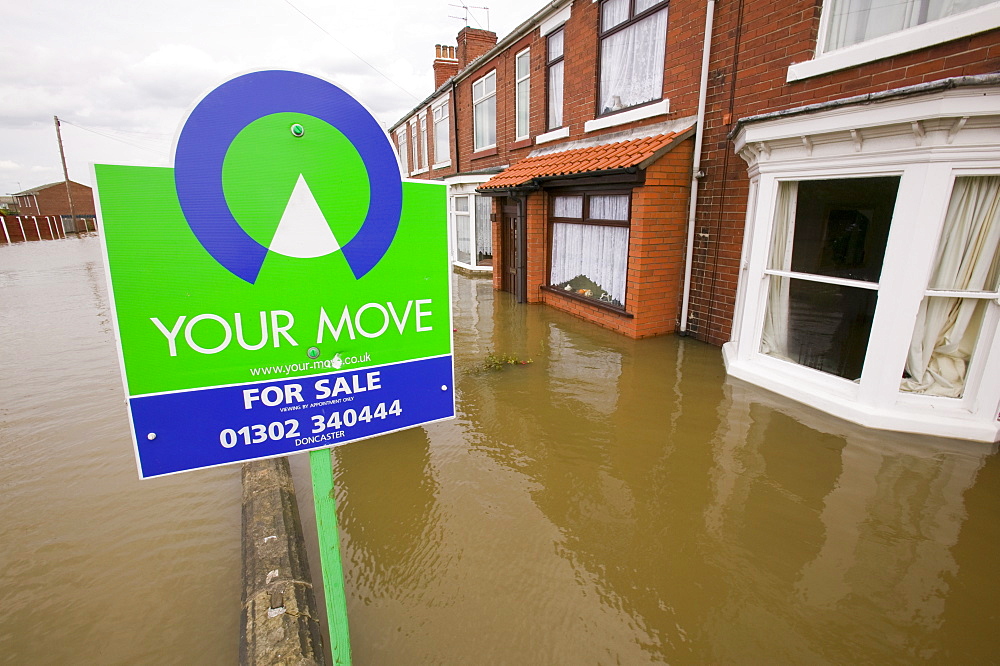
<point x="595" y="252"/>
<point x="856" y="21"/>
<point x="632" y="58"/>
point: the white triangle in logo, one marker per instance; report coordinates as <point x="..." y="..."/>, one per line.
<point x="303" y="231"/>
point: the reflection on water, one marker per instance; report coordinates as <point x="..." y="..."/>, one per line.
<point x="97" y="567"/>
<point x="621" y="501"/>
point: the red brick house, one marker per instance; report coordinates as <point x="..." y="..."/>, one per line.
<point x="52" y="199"/>
<point x="842" y="241"/>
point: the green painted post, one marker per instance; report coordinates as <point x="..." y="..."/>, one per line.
<point x="321" y="466"/>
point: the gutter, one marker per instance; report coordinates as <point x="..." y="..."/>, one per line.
<point x="696" y="172"/>
<point x="870" y="98"/>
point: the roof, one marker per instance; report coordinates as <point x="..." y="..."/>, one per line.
<point x="36" y="190"/>
<point x="630" y="154"/>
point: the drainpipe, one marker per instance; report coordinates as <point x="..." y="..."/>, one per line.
<point x="696" y="172"/>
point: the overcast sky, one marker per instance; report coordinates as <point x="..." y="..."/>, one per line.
<point x="122" y="74"/>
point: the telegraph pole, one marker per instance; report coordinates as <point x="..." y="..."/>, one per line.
<point x="62" y="156"/>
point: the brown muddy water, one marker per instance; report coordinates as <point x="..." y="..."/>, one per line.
<point x="612" y="502"/>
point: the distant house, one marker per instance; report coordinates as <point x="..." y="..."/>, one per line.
<point x="52" y="199"/>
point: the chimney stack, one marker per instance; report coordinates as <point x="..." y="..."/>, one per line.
<point x="445" y="64"/>
<point x="472" y="43"/>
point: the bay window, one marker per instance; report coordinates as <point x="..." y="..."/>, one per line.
<point x="590" y="235"/>
<point x="633" y="47"/>
<point x="554" y="64"/>
<point x="484" y="111"/>
<point x="522" y="89"/>
<point x="471" y="230"/>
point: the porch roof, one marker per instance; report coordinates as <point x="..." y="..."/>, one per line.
<point x="629" y="154"/>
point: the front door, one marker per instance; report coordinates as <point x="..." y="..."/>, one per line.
<point x="513" y="236"/>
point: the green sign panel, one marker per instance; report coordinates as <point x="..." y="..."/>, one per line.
<point x="281" y="288"/>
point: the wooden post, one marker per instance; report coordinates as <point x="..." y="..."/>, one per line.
<point x="62" y="156"/>
<point x="321" y="466"/>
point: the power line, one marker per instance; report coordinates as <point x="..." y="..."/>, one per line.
<point x="106" y="135"/>
<point x="374" y="68"/>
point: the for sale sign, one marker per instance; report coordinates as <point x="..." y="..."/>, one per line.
<point x="281" y="288"/>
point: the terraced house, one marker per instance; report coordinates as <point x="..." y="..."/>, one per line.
<point x="814" y="185"/>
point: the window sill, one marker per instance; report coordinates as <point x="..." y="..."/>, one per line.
<point x="485" y="152"/>
<point x="442" y="165"/>
<point x="520" y="143"/>
<point x="588" y="301"/>
<point x="417" y="172"/>
<point x="639" y="113"/>
<point x="554" y="135"/>
<point x="918" y="37"/>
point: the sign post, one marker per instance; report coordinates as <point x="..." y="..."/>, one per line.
<point x="280" y="289"/>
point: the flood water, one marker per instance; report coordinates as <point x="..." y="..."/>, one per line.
<point x="611" y="502"/>
<point x="97" y="567"/>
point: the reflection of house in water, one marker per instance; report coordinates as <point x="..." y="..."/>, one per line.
<point x="881" y="527"/>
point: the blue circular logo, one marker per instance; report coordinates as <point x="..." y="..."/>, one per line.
<point x="215" y="123"/>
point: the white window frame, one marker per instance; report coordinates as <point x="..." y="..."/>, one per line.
<point x="912" y="39"/>
<point x="402" y="149"/>
<point x="927" y="162"/>
<point x="463" y="187"/>
<point x="441" y="122"/>
<point x="483" y="97"/>
<point x="522" y="99"/>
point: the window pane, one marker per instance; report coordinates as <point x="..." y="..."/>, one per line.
<point x="463" y="243"/>
<point x="609" y="207"/>
<point x="841" y="226"/>
<point x="855" y="21"/>
<point x="613" y="12"/>
<point x="632" y="64"/>
<point x="491" y="83"/>
<point x="643" y="5"/>
<point x="821" y="326"/>
<point x="522" y="65"/>
<point x="567" y="207"/>
<point x="590" y="261"/>
<point x="521" y="124"/>
<point x="442" y="135"/>
<point x="478" y="89"/>
<point x="485" y="120"/>
<point x="461" y="204"/>
<point x="555" y="45"/>
<point x="556" y="95"/>
<point x="484" y="232"/>
<point x="968" y="257"/>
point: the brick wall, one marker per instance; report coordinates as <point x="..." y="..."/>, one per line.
<point x="52" y="200"/>
<point x="754" y="42"/>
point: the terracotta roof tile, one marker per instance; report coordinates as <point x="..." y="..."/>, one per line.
<point x="592" y="159"/>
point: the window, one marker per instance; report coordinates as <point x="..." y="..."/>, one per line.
<point x="463" y="230"/>
<point x="633" y="46"/>
<point x="422" y="141"/>
<point x="484" y="231"/>
<point x="402" y="150"/>
<point x="484" y="115"/>
<point x="827" y="246"/>
<point x="590" y="246"/>
<point x="522" y="87"/>
<point x="851" y="22"/>
<point x="442" y="133"/>
<point x="472" y="230"/>
<point x="555" y="79"/>
<point x="966" y="276"/>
